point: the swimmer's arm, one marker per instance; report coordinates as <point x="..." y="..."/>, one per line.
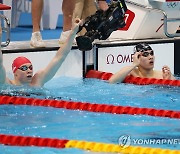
<point x="41" y="77"/>
<point x="3" y="78"/>
<point x="121" y="75"/>
<point x="2" y="69"/>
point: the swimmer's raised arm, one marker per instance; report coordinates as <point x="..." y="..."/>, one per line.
<point x="44" y="75"/>
<point x="2" y="69"/>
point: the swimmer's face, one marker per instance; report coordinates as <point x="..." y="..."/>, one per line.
<point x="24" y="73"/>
<point x="147" y="59"/>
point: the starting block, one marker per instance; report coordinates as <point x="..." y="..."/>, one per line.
<point x="150" y="19"/>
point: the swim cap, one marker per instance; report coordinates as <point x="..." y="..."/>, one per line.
<point x="18" y="62"/>
<point x="142" y="47"/>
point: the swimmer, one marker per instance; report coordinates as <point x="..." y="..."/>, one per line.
<point x="23" y="69"/>
<point x="143" y="66"/>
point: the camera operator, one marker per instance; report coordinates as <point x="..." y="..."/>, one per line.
<point x="67" y="9"/>
<point x="85" y="8"/>
<point x="101" y="24"/>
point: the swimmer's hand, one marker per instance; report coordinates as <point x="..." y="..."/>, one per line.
<point x="76" y="24"/>
<point x="166" y="73"/>
<point x="136" y="60"/>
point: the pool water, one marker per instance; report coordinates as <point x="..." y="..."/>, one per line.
<point x="81" y="125"/>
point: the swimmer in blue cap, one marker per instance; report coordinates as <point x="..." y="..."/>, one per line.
<point x="142" y="66"/>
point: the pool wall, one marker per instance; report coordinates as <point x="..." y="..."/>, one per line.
<point x="72" y="65"/>
<point x="106" y="55"/>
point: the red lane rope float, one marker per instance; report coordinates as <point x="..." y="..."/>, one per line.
<point x="11" y="140"/>
<point x="132" y="79"/>
<point x="31" y="141"/>
<point x="4" y="7"/>
<point x="103" y="108"/>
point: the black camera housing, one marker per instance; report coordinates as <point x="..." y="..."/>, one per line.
<point x="101" y="24"/>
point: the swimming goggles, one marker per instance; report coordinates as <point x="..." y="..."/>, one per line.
<point x="25" y="68"/>
<point x="146" y="54"/>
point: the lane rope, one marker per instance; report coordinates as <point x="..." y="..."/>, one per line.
<point x="132" y="79"/>
<point x="11" y="140"/>
<point x="4" y="7"/>
<point x="100" y="108"/>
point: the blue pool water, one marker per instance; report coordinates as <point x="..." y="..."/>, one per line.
<point x="97" y="127"/>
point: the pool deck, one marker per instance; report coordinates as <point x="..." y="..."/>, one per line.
<point x="24" y="46"/>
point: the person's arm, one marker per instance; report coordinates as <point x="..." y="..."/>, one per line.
<point x="2" y="69"/>
<point x="42" y="76"/>
<point x="121" y="74"/>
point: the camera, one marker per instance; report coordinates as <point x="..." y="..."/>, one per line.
<point x="101" y="24"/>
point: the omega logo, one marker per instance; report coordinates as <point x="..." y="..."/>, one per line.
<point x="119" y="59"/>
